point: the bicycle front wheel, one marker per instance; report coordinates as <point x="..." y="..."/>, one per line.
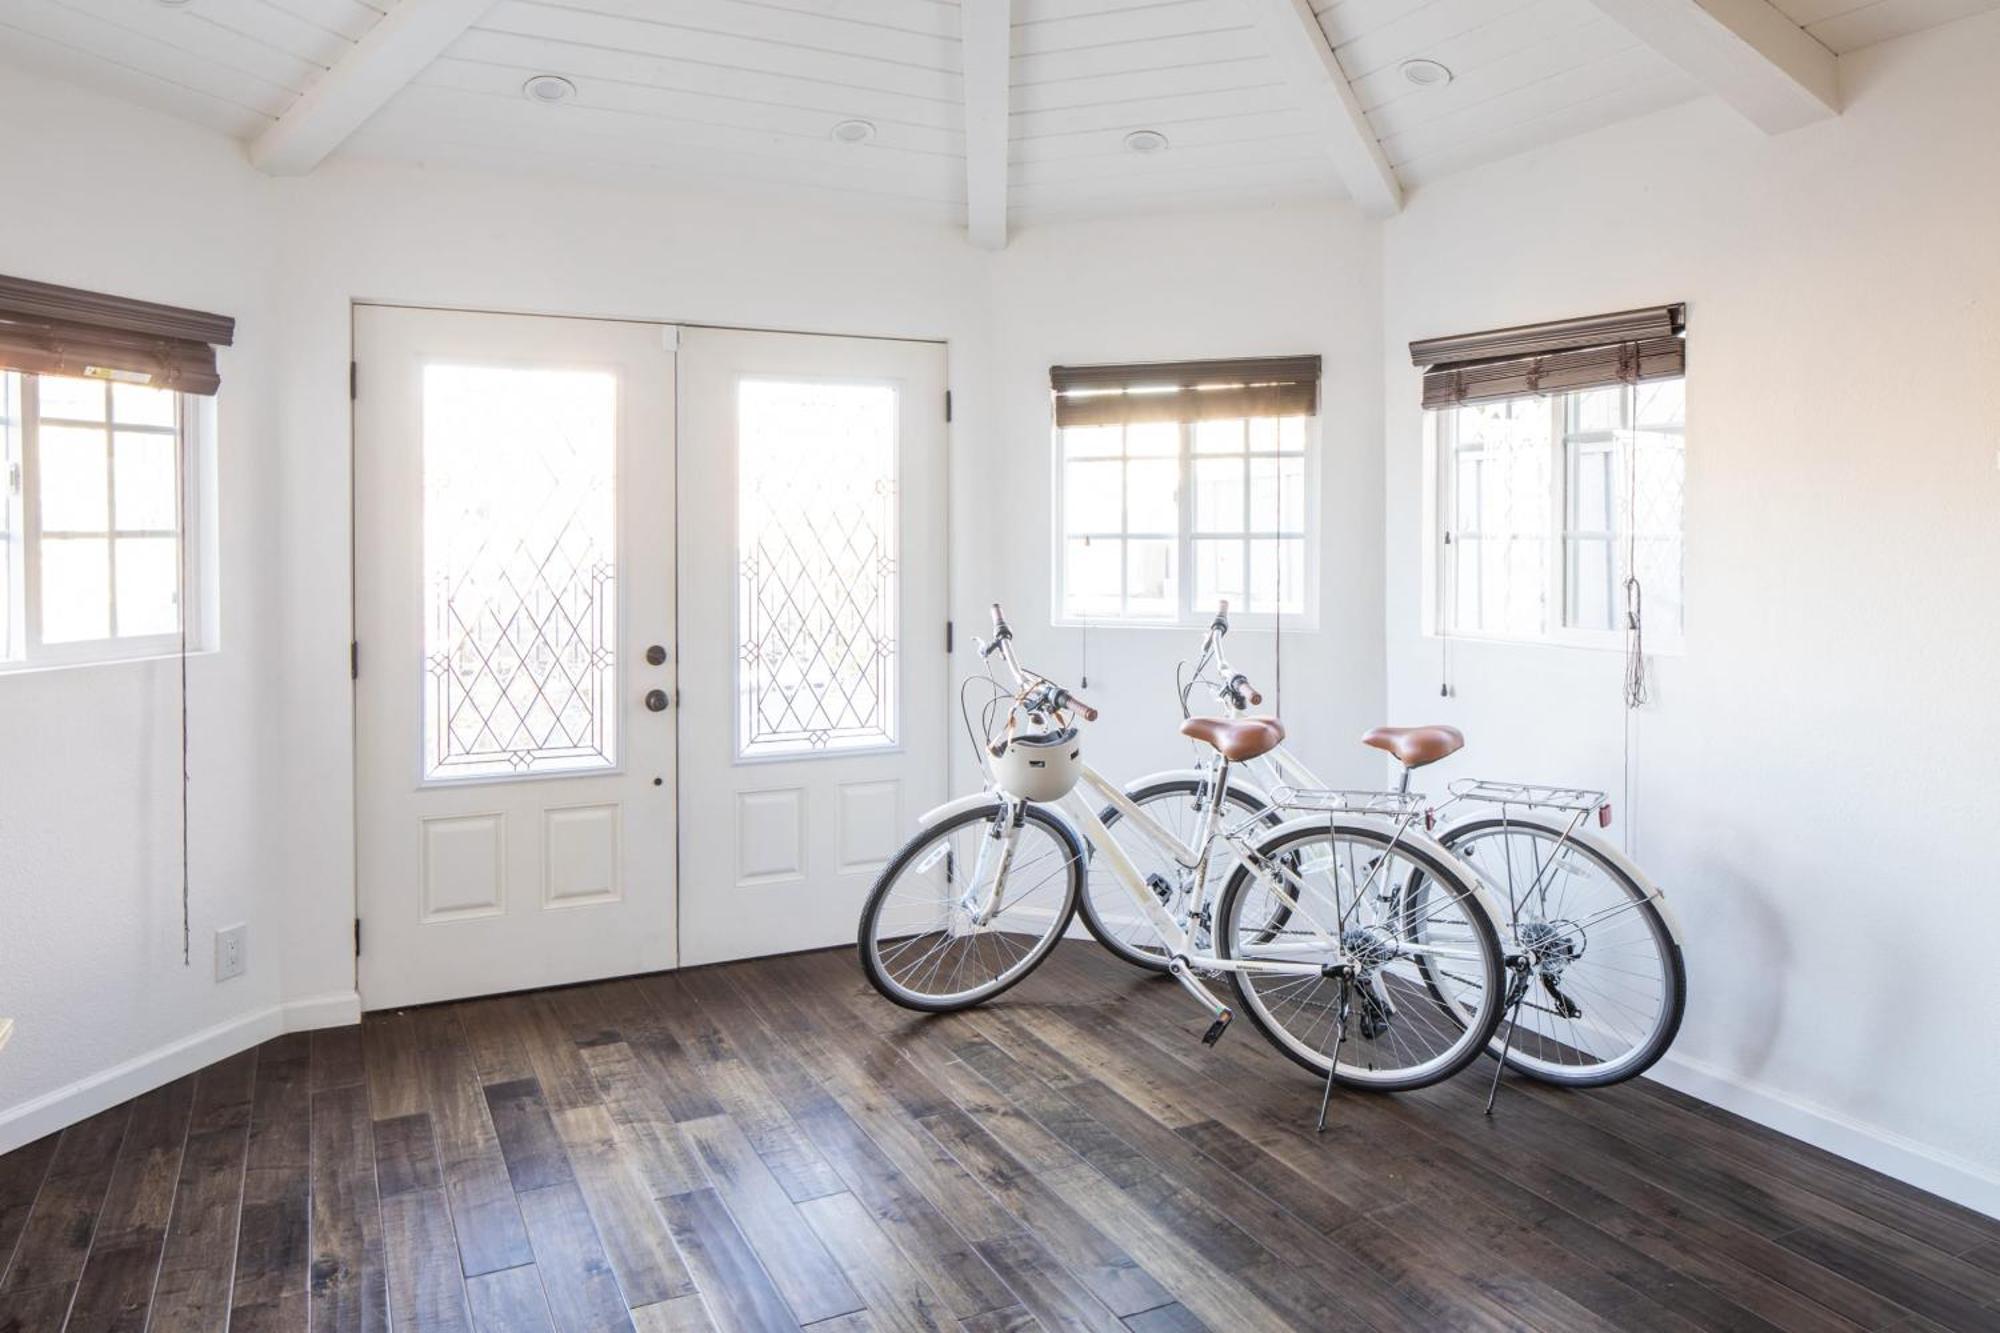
<point x="1331" y="956"/>
<point x="970" y="905"/>
<point x="1607" y="987"/>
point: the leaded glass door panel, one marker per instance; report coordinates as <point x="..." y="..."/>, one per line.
<point x="812" y="570"/>
<point x="515" y="796"/>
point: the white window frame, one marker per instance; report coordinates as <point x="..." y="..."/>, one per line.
<point x="20" y="645"/>
<point x="1440" y="460"/>
<point x="1188" y="612"/>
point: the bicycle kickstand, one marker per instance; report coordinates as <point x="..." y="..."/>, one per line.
<point x="1333" y="1063"/>
<point x="1517" y="991"/>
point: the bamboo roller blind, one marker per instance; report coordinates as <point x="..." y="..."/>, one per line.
<point x="51" y="330"/>
<point x="1262" y="386"/>
<point x="1587" y="353"/>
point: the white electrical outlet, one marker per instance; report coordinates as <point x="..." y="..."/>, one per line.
<point x="231" y="946"/>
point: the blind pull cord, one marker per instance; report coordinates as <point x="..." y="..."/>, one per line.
<point x="1636" y="686"/>
<point x="180" y="553"/>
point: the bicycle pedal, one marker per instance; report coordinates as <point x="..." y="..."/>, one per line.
<point x="1217" y="1028"/>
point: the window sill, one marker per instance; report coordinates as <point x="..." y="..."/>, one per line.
<point x="1238" y="620"/>
<point x="1610" y="644"/>
<point x="43" y="668"/>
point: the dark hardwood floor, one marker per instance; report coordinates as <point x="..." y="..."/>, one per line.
<point x="770" y="1145"/>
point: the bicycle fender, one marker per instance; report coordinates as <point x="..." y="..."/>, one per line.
<point x="939" y="813"/>
<point x="1236" y="782"/>
<point x="1609" y="851"/>
<point x="1409" y="836"/>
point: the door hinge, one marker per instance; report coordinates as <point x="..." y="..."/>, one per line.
<point x="947" y="636"/>
<point x="947" y="405"/>
<point x="353" y="380"/>
<point x="1447" y="537"/>
<point x="357" y="937"/>
<point x="354" y="660"/>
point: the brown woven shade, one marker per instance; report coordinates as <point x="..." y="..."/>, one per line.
<point x="1588" y="353"/>
<point x="51" y="330"/>
<point x="1265" y="386"/>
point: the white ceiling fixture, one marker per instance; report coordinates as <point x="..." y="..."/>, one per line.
<point x="854" y="130"/>
<point x="1146" y="141"/>
<point x="390" y="54"/>
<point x="1299" y="46"/>
<point x="548" y="89"/>
<point x="1425" y="73"/>
<point x="1744" y="51"/>
<point x="986" y="35"/>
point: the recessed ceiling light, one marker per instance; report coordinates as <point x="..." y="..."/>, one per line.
<point x="853" y="131"/>
<point x="1146" y="141"/>
<point x="548" y="89"/>
<point x="1425" y="73"/>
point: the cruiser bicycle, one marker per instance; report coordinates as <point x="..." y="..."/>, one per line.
<point x="1356" y="944"/>
<point x="1597" y="985"/>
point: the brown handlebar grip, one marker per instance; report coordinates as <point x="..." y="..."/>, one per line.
<point x="1255" y="698"/>
<point x="1089" y="713"/>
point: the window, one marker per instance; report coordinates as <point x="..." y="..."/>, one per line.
<point x="1548" y="503"/>
<point x="818" y="587"/>
<point x="520" y="586"/>
<point x="90" y="533"/>
<point x="1159" y="520"/>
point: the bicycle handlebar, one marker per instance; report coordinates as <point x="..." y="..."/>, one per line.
<point x="1056" y="696"/>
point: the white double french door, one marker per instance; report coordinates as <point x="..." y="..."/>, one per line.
<point x="606" y="724"/>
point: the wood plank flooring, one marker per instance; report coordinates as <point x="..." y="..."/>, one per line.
<point x="769" y="1145"/>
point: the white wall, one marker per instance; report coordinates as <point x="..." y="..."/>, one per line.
<point x="1815" y="782"/>
<point x="1289" y="280"/>
<point x="90" y="916"/>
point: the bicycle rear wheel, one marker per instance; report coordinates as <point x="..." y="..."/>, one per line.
<point x="932" y="939"/>
<point x="1333" y="893"/>
<point x="1608" y="987"/>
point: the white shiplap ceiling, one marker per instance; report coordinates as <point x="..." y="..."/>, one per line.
<point x="743" y="94"/>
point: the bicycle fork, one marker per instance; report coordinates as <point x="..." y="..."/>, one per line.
<point x="981" y="900"/>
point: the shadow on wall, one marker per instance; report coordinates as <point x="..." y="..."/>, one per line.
<point x="1746" y="1008"/>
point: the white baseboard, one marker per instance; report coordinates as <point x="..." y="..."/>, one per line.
<point x="1959" y="1179"/>
<point x="23" y="1124"/>
<point x="335" y="1009"/>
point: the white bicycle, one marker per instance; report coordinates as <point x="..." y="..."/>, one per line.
<point x="1597" y="984"/>
<point x="1318" y="927"/>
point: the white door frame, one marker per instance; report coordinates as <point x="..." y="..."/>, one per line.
<point x="355" y="305"/>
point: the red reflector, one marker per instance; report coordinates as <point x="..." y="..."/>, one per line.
<point x="1604" y="815"/>
<point x="1430" y="819"/>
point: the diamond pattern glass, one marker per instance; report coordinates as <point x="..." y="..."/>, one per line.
<point x="817" y="574"/>
<point x="520" y="571"/>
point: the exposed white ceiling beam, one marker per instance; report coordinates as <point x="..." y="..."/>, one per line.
<point x="986" y="30"/>
<point x="382" y="63"/>
<point x="1295" y="40"/>
<point x="1744" y="51"/>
